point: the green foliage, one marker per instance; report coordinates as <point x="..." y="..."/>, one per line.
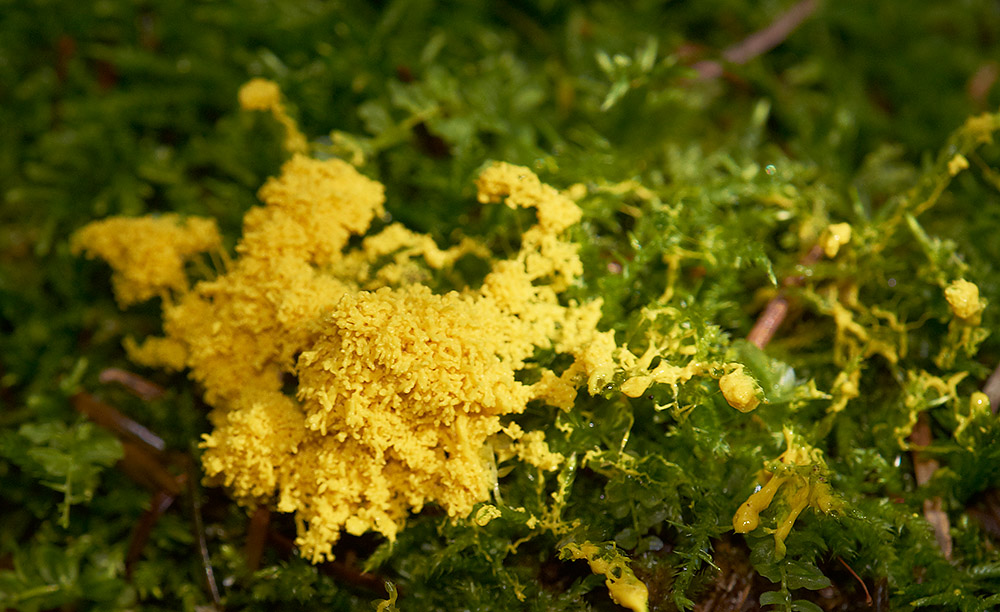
<point x="67" y="459"/>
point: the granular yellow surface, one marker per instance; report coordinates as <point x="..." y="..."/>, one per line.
<point x="399" y="391"/>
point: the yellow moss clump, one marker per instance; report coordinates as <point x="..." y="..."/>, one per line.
<point x="400" y="391"/>
<point x="147" y="254"/>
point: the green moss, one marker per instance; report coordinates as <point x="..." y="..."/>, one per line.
<point x="700" y="197"/>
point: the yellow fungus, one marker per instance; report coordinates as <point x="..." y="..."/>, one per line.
<point x="264" y="95"/>
<point x="625" y="589"/>
<point x="740" y="390"/>
<point x="835" y="236"/>
<point x="799" y="471"/>
<point x="963" y="298"/>
<point x="400" y="390"/>
<point x="957" y="164"/>
<point x="747" y="517"/>
<point x="146" y="254"/>
<point x="485" y="514"/>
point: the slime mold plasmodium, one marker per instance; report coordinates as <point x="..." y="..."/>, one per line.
<point x="399" y="391"/>
<point x="801" y="472"/>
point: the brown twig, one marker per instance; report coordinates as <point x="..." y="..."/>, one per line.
<point x="140" y="387"/>
<point x="109" y="418"/>
<point x="199" y="525"/>
<point x="761" y="41"/>
<point x="777" y="308"/>
<point x="159" y="504"/>
<point x="992" y="389"/>
<point x="923" y="469"/>
<point x="868" y="596"/>
<point x="260" y="521"/>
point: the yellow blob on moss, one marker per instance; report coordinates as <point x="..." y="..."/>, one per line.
<point x="800" y="471"/>
<point x="834" y="237"/>
<point x="740" y="389"/>
<point x="625" y="589"/>
<point x="963" y="298"/>
<point x="264" y="95"/>
<point x="400" y="391"/>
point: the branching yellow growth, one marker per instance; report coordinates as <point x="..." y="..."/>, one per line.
<point x="400" y="390"/>
<point x="147" y="254"/>
<point x="626" y="590"/>
<point x="264" y="95"/>
<point x="802" y="469"/>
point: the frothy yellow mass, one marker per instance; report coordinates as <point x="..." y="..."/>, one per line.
<point x="398" y="390"/>
<point x="147" y="254"/>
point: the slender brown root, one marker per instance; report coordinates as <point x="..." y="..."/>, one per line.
<point x="159" y="504"/>
<point x="868" y="596"/>
<point x="199" y="526"/>
<point x="761" y="41"/>
<point x="125" y="428"/>
<point x="924" y="468"/>
<point x="260" y="520"/>
<point x="141" y="387"/>
<point x="777" y="308"/>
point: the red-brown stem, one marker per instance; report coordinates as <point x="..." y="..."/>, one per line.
<point x="777" y="308"/>
<point x="992" y="389"/>
<point x="761" y="41"/>
<point x="868" y="596"/>
<point x="769" y="321"/>
<point x="260" y="520"/>
<point x="923" y="470"/>
<point x="199" y="526"/>
<point x="148" y="470"/>
<point x="125" y="428"/>
<point x="141" y="387"/>
<point x="159" y="504"/>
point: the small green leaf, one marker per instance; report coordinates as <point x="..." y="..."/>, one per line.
<point x="776" y="598"/>
<point x="804" y="605"/>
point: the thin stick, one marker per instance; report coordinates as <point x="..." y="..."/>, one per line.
<point x="199" y="526"/>
<point x="923" y="470"/>
<point x="777" y="307"/>
<point x="257" y="537"/>
<point x="108" y="417"/>
<point x="159" y="504"/>
<point x="761" y="41"/>
<point x="868" y="596"/>
<point x="141" y="387"/>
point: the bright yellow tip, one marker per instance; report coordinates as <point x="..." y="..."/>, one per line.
<point x="259" y="94"/>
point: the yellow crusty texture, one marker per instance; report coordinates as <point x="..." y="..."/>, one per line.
<point x="399" y="390"/>
<point x="147" y="254"/>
